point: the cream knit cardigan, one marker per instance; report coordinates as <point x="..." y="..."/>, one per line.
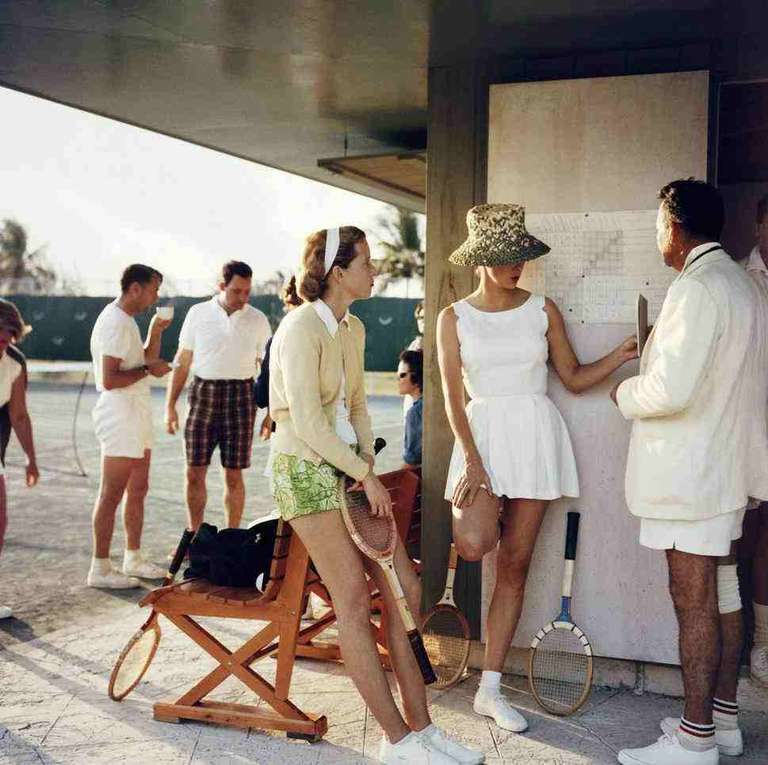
<point x="305" y="372"/>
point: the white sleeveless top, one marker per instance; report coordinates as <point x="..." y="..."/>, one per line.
<point x="520" y="434"/>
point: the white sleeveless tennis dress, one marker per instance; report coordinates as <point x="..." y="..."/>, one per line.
<point x="520" y="434"/>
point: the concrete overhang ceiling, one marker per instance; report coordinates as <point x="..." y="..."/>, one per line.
<point x="334" y="90"/>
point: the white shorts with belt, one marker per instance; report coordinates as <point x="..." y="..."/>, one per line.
<point x="123" y="424"/>
<point x="710" y="536"/>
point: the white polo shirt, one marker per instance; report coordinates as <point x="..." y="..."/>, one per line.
<point x="116" y="334"/>
<point x="224" y="346"/>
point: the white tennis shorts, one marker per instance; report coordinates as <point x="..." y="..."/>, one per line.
<point x="710" y="536"/>
<point x="123" y="424"/>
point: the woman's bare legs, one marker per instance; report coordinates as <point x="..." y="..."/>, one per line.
<point x="476" y="527"/>
<point x="521" y="521"/>
<point x="413" y="694"/>
<point x="340" y="566"/>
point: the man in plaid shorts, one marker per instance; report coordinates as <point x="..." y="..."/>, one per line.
<point x="222" y="343"/>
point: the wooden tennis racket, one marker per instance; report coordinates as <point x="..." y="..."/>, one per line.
<point x="446" y="633"/>
<point x="560" y="664"/>
<point x="376" y="537"/>
<point x="135" y="658"/>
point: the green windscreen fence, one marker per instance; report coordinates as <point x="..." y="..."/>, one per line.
<point x="62" y="325"/>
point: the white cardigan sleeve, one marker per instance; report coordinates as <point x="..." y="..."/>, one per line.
<point x="683" y="345"/>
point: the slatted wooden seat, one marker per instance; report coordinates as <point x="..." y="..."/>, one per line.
<point x="280" y="605"/>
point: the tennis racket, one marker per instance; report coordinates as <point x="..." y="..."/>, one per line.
<point x="376" y="537"/>
<point x="446" y="634"/>
<point x="135" y="658"/>
<point x="560" y="664"/>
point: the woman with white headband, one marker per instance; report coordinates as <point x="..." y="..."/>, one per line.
<point x="317" y="401"/>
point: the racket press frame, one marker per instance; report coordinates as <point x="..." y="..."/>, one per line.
<point x="406" y="504"/>
<point x="281" y="606"/>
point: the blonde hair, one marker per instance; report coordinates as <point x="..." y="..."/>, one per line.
<point x="312" y="280"/>
<point x="11" y="319"/>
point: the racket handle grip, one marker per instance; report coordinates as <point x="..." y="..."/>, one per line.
<point x="181" y="551"/>
<point x="378" y="445"/>
<point x="572" y="535"/>
<point x="417" y="646"/>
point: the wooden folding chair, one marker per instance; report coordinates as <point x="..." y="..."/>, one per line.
<point x="404" y="489"/>
<point x="280" y="605"/>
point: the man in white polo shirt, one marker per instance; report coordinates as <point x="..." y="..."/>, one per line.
<point x="221" y="342"/>
<point x="123" y="421"/>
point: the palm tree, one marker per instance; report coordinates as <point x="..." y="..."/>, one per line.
<point x="22" y="271"/>
<point x="404" y="256"/>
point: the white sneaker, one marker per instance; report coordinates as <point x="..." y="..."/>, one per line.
<point x="112" y="580"/>
<point x="758" y="664"/>
<point x="6" y="612"/>
<point x="412" y="750"/>
<point x="142" y="569"/>
<point x="439" y="740"/>
<point x="493" y="704"/>
<point x="668" y="751"/>
<point x="729" y="742"/>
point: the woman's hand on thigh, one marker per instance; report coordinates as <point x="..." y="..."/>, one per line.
<point x="473" y="479"/>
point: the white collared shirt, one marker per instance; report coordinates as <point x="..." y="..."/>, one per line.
<point x="755" y="264"/>
<point x="224" y="346"/>
<point x="344" y="429"/>
<point x="116" y="334"/>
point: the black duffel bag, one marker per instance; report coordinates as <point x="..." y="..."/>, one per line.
<point x="233" y="557"/>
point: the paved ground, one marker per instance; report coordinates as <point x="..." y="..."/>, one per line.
<point x="56" y="655"/>
<point x="48" y="548"/>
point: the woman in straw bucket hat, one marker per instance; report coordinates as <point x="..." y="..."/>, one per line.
<point x="512" y="453"/>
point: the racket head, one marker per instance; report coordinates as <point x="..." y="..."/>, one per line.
<point x="134" y="660"/>
<point x="446" y="637"/>
<point x="560" y="668"/>
<point x="376" y="536"/>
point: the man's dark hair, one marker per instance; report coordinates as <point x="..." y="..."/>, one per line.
<point x="234" y="268"/>
<point x="697" y="206"/>
<point x="139" y="274"/>
<point x="762" y="209"/>
<point x="415" y="362"/>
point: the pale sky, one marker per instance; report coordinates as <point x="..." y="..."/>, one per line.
<point x="102" y="194"/>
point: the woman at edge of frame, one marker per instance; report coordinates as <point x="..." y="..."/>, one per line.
<point x="512" y="454"/>
<point x="318" y="404"/>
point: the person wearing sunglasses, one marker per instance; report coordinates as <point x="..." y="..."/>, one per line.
<point x="410" y="379"/>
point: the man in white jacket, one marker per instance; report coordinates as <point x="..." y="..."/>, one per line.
<point x="696" y="454"/>
<point x="756" y="265"/>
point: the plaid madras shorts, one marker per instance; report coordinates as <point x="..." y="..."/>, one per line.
<point x="221" y="413"/>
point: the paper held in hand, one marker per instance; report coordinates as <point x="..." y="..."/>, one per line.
<point x="642" y="323"/>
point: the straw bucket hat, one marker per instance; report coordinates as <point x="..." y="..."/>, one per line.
<point x="497" y="237"/>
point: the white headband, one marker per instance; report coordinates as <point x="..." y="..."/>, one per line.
<point x="331" y="247"/>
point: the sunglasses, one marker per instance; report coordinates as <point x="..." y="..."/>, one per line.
<point x="401" y="375"/>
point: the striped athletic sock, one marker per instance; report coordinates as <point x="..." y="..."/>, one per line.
<point x="696" y="737"/>
<point x="725" y="714"/>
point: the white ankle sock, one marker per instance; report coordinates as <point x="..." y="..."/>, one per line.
<point x="696" y="737"/>
<point x="490" y="682"/>
<point x="132" y="556"/>
<point x="725" y="714"/>
<point x="101" y="565"/>
<point x="761" y="624"/>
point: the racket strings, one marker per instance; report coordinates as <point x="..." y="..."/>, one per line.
<point x="560" y="670"/>
<point x="134" y="662"/>
<point x="378" y="532"/>
<point x="446" y="641"/>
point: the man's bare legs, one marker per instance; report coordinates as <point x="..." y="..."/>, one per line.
<point x="693" y="587"/>
<point x="135" y="494"/>
<point x="731" y="641"/>
<point x="234" y="496"/>
<point x="197" y="495"/>
<point x="115" y="473"/>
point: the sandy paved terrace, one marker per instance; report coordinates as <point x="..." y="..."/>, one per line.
<point x="55" y="656"/>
